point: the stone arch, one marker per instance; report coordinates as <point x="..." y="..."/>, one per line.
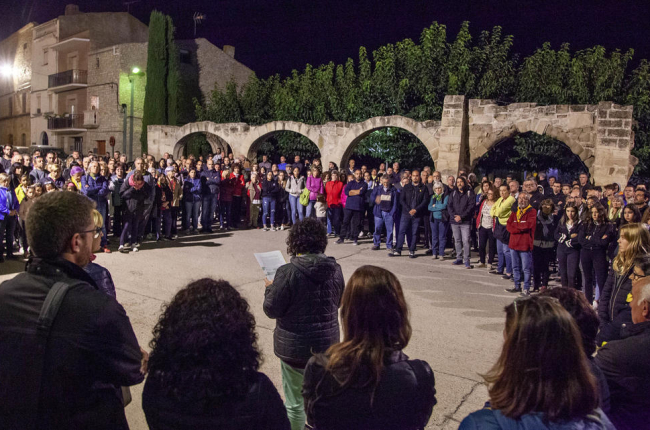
<point x="426" y="132"/>
<point x="44" y="139"/>
<point x="213" y="133"/>
<point x="258" y="134"/>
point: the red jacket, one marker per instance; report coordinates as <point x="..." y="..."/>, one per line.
<point x="522" y="232"/>
<point x="333" y="191"/>
<point x="238" y="184"/>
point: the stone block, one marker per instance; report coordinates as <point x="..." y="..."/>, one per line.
<point x="605" y="105"/>
<point x="618" y="132"/>
<point x="623" y="143"/>
<point x="474" y="103"/>
<point x="562" y="108"/>
<point x="610" y="123"/>
<point x="452" y="105"/>
<point x="602" y="113"/>
<point x="577" y="108"/>
<point x="476" y="110"/>
<point x="580" y="120"/>
<point x="623" y="114"/>
<point x="608" y="141"/>
<point x="485" y="102"/>
<point x="592" y="108"/>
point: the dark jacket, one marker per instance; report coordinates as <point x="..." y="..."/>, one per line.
<point x="305" y="298"/>
<point x="564" y="237"/>
<point x="390" y="201"/>
<point x="461" y="203"/>
<point x="402" y="400"/>
<point x="355" y="203"/>
<point x="613" y="307"/>
<point x="192" y="189"/>
<point x="91" y="352"/>
<point x="210" y="180"/>
<point x="102" y="278"/>
<point x="493" y="419"/>
<point x="414" y="197"/>
<point x="270" y="188"/>
<point x="596" y="237"/>
<point x="626" y="365"/>
<point x="261" y="409"/>
<point x="545" y="239"/>
<point x="96" y="189"/>
<point x="134" y="199"/>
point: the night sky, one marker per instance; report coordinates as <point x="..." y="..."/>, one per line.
<point x="276" y="36"/>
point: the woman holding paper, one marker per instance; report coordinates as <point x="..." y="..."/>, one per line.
<point x="304" y="298"/>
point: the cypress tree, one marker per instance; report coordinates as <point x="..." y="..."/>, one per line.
<point x="155" y="98"/>
<point x="173" y="75"/>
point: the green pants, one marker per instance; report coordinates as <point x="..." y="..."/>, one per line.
<point x="293" y="401"/>
<point x="254" y="215"/>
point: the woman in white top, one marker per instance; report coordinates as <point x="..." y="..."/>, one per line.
<point x="295" y="185"/>
<point x="485" y="227"/>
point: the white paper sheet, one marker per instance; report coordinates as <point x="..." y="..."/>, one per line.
<point x="270" y="261"/>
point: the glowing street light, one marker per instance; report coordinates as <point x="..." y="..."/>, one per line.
<point x="135" y="70"/>
<point x="6" y="70"/>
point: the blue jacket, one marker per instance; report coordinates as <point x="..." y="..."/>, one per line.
<point x="102" y="278"/>
<point x="210" y="180"/>
<point x="394" y="199"/>
<point x="489" y="419"/>
<point x="437" y="209"/>
<point x="95" y="189"/>
<point x="192" y="189"/>
<point x="355" y="203"/>
<point x="4" y="207"/>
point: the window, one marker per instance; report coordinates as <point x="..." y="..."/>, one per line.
<point x="38" y="103"/>
<point x="46" y="52"/>
<point x="94" y="102"/>
<point x="185" y="56"/>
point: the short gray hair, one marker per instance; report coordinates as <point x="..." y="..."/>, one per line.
<point x="645" y="293"/>
<point x="53" y="219"/>
<point x="438" y="184"/>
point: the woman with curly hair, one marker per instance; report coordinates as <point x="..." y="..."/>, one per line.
<point x="203" y="368"/>
<point x="304" y="299"/>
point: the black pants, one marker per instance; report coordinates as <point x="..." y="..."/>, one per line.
<point x="367" y="214"/>
<point x="541" y="260"/>
<point x="174" y="219"/>
<point x="235" y="216"/>
<point x="350" y="226"/>
<point x="568" y="260"/>
<point x="335" y="213"/>
<point x="118" y="220"/>
<point x="594" y="267"/>
<point x="7" y="229"/>
<point x="427" y="233"/>
<point x="486" y="242"/>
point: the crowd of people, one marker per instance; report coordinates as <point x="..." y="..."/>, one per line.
<point x="203" y="370"/>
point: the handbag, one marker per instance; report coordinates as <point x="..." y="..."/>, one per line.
<point x="501" y="232"/>
<point x="304" y="197"/>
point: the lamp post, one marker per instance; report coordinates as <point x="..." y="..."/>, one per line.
<point x="134" y="73"/>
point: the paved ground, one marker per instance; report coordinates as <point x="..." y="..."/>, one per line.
<point x="456" y="315"/>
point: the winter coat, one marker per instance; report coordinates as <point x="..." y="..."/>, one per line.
<point x="260" y="409"/>
<point x="226" y="189"/>
<point x="461" y="203"/>
<point x="96" y="189"/>
<point x="390" y="201"/>
<point x="545" y="240"/>
<point x="304" y="298"/>
<point x="501" y="209"/>
<point x="563" y="237"/>
<point x="493" y="419"/>
<point x="355" y="203"/>
<point x="5" y="207"/>
<point x="403" y="399"/>
<point x="238" y="184"/>
<point x="614" y="305"/>
<point x="596" y="237"/>
<point x="522" y="232"/>
<point x="295" y="186"/>
<point x="149" y="180"/>
<point x="114" y="186"/>
<point x="102" y="278"/>
<point x="133" y="198"/>
<point x="626" y="365"/>
<point x="192" y="189"/>
<point x="439" y="210"/>
<point x="92" y="351"/>
<point x="414" y="197"/>
<point x="333" y="190"/>
<point x="270" y="188"/>
<point x="315" y="187"/>
<point x="210" y="180"/>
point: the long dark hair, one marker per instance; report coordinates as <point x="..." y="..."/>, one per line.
<point x="204" y="349"/>
<point x="565" y="218"/>
<point x="635" y="211"/>
<point x="368" y="334"/>
<point x="527" y="377"/>
<point x="602" y="214"/>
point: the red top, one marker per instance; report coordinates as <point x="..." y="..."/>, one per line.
<point x="333" y="191"/>
<point x="522" y="232"/>
<point x="238" y="184"/>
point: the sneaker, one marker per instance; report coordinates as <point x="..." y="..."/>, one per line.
<point x="512" y="290"/>
<point x="506" y="276"/>
<point x="136" y="245"/>
<point x="469" y="266"/>
<point x="428" y="252"/>
<point x="436" y="257"/>
<point x="355" y="243"/>
<point x="274" y="229"/>
<point x="149" y="236"/>
<point x="340" y="241"/>
<point x="135" y="249"/>
<point x="123" y="249"/>
<point x="282" y="227"/>
<point x="394" y="253"/>
<point x="457" y="262"/>
<point x="106" y="250"/>
<point x="127" y="245"/>
<point x="375" y="248"/>
<point x="266" y="228"/>
<point x="524" y="293"/>
<point x="495" y="272"/>
<point x="361" y="234"/>
<point x="412" y="254"/>
<point x="174" y="236"/>
<point x="482" y="266"/>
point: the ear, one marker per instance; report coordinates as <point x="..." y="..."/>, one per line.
<point x="645" y="310"/>
<point x="75" y="243"/>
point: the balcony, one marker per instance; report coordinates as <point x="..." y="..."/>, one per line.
<point x="70" y="124"/>
<point x="91" y="118"/>
<point x="68" y="80"/>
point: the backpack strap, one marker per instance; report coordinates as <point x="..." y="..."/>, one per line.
<point x="51" y="307"/>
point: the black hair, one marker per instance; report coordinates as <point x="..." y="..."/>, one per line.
<point x="307" y="237"/>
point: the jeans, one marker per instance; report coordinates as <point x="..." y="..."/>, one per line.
<point x="438" y="236"/>
<point x="486" y="240"/>
<point x="329" y="223"/>
<point x="461" y="240"/>
<point x="166" y="220"/>
<point x="541" y="259"/>
<point x="594" y="269"/>
<point x="293" y="401"/>
<point x="350" y="226"/>
<point x="505" y="258"/>
<point x="568" y="260"/>
<point x="208" y="207"/>
<point x="408" y="226"/>
<point x="294" y="202"/>
<point x="268" y="207"/>
<point x="522" y="261"/>
<point x="146" y="214"/>
<point x="192" y="214"/>
<point x="7" y="228"/>
<point x="130" y="229"/>
<point x="335" y="216"/>
<point x="224" y="214"/>
<point x="174" y="219"/>
<point x="310" y="208"/>
<point x="385" y="220"/>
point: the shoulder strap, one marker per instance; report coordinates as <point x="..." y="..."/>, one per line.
<point x="51" y="307"/>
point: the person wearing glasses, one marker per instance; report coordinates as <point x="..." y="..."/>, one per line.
<point x="614" y="304"/>
<point x="527" y="388"/>
<point x="100" y="274"/>
<point x="73" y="378"/>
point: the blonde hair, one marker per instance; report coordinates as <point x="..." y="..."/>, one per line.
<point x="639" y="243"/>
<point x="4" y="178"/>
<point x="98" y="219"/>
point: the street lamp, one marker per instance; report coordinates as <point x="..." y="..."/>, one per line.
<point x="135" y="72"/>
<point x="6" y="70"/>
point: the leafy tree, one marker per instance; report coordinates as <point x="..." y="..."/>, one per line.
<point x="173" y="75"/>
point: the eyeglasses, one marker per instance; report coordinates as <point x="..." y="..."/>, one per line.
<point x="635" y="277"/>
<point x="97" y="232"/>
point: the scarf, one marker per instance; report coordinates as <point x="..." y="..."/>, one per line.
<point x="438" y="198"/>
<point x="544" y="221"/>
<point x="76" y="184"/>
<point x="521" y="212"/>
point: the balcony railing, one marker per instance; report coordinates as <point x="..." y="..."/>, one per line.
<point x="70" y="121"/>
<point x="74" y="76"/>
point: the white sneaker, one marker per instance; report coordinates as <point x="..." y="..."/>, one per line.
<point x="360" y="234"/>
<point x="127" y="245"/>
<point x="266" y="228"/>
<point x="282" y="227"/>
<point x="274" y="229"/>
<point x="122" y="248"/>
<point x="135" y="249"/>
